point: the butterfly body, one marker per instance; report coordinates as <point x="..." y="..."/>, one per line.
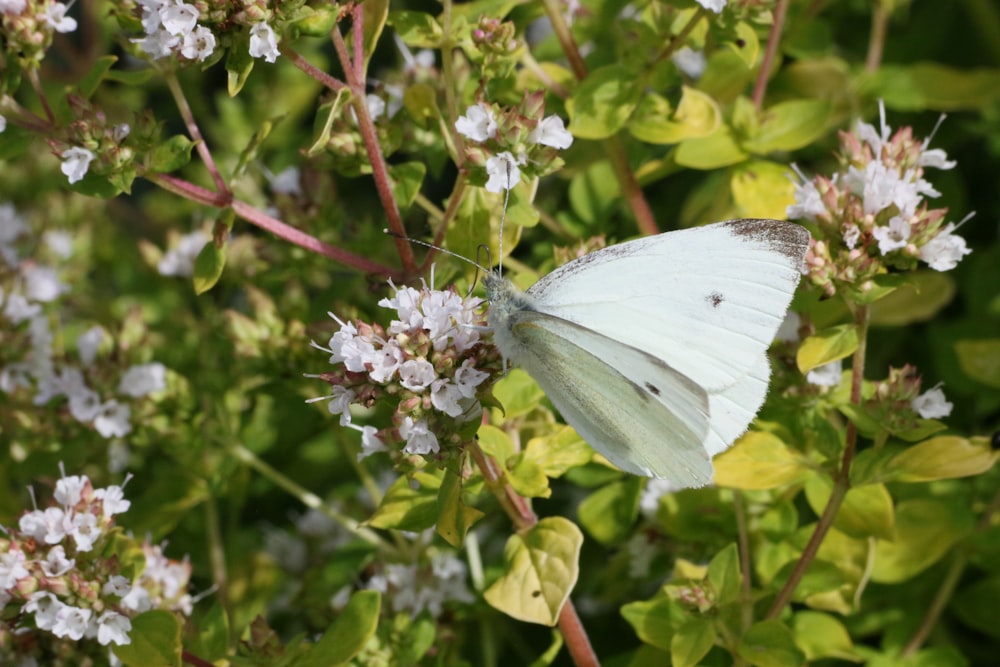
<point x="654" y="350"/>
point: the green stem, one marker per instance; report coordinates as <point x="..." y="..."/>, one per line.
<point x="192" y="126"/>
<point x="310" y="499"/>
<point x="841" y="480"/>
<point x="876" y="40"/>
<point x="216" y="552"/>
<point x="746" y="587"/>
<point x="770" y="53"/>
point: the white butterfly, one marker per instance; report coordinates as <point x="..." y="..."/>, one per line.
<point x="655" y="350"/>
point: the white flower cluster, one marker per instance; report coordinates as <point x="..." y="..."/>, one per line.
<point x="413" y="589"/>
<point x="53" y="14"/>
<point x="21" y="304"/>
<point x="479" y="124"/>
<point x="172" y="28"/>
<point x="932" y="404"/>
<point x="423" y="352"/>
<point x="42" y="565"/>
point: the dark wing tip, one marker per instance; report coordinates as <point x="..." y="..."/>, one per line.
<point x="787" y="238"/>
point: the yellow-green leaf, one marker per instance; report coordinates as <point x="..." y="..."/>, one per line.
<point x="917" y="300"/>
<point x="609" y="512"/>
<point x="653" y="620"/>
<point x="770" y="644"/>
<point x="825" y="346"/>
<point x="760" y="460"/>
<point x="602" y="103"/>
<point x="943" y="457"/>
<point x="788" y="126"/>
<point x="821" y="635"/>
<point x="980" y="360"/>
<point x="208" y="266"/>
<point x="718" y="149"/>
<point x="542" y="568"/>
<point x="454" y="516"/>
<point x="406" y="508"/>
<point x="925" y="530"/>
<point x="697" y="115"/>
<point x="692" y="642"/>
<point x="762" y="189"/>
<point x="866" y="511"/>
<point x="155" y="641"/>
<point x="348" y="633"/>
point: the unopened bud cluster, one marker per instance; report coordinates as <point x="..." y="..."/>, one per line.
<point x="873" y="216"/>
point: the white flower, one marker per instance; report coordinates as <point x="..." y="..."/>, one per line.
<point x="370" y="442"/>
<point x="712" y="5"/>
<point x="113" y="627"/>
<point x="55" y="16"/>
<point x="121" y="131"/>
<point x="143" y="379"/>
<point x="935" y="158"/>
<point x="375" y="104"/>
<point x="551" y="132"/>
<point x="419" y="439"/>
<point x="75" y="163"/>
<point x="113" y="420"/>
<point x="56" y="564"/>
<point x="416" y="374"/>
<point x="808" y="201"/>
<point x="386" y="362"/>
<point x="468" y="378"/>
<point x="178" y="18"/>
<point x="42" y="284"/>
<point x="789" y="330"/>
<point x="69" y="490"/>
<point x="48" y="525"/>
<point x="875" y="139"/>
<point x="45" y="606"/>
<point x="179" y="261"/>
<point x="649" y="501"/>
<point x="932" y="404"/>
<point x="84" y="404"/>
<point x="691" y="63"/>
<point x="59" y="242"/>
<point x="445" y="396"/>
<point x="503" y="172"/>
<point x="112" y="500"/>
<point x="116" y="585"/>
<point x="12" y="568"/>
<point x="892" y="236"/>
<point x="12" y="6"/>
<point x="944" y="251"/>
<point x="288" y="181"/>
<point x="88" y="343"/>
<point x="84" y="530"/>
<point x="198" y="44"/>
<point x="12" y="225"/>
<point x="17" y="309"/>
<point x="478" y="123"/>
<point x="263" y="42"/>
<point x="3" y="124"/>
<point x="354" y="351"/>
<point x="340" y="403"/>
<point x="851" y="235"/>
<point x="71" y="622"/>
<point x="827" y="375"/>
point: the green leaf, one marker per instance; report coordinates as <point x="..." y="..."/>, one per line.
<point x="454" y="516"/>
<point x="917" y="300"/>
<point x="171" y="155"/>
<point x="249" y="154"/>
<point x="762" y="189"/>
<point x="208" y="266"/>
<point x="542" y="568"/>
<point x="518" y="393"/>
<point x="603" y="102"/>
<point x="316" y="21"/>
<point x="98" y="72"/>
<point x="325" y="117"/>
<point x="608" y="513"/>
<point x="417" y="29"/>
<point x="594" y="192"/>
<point x="724" y="575"/>
<point x="726" y="76"/>
<point x="374" y="15"/>
<point x="405" y="508"/>
<point x="867" y="511"/>
<point x="944" y="457"/>
<point x="770" y="644"/>
<point x="825" y="346"/>
<point x="932" y="86"/>
<point x="926" y="529"/>
<point x="654" y="121"/>
<point x="976" y="605"/>
<point x="420" y="101"/>
<point x="213" y="634"/>
<point x="348" y="633"/>
<point x="717" y="150"/>
<point x="239" y="62"/>
<point x="156" y="641"/>
<point x="692" y="642"/>
<point x="654" y="620"/>
<point x="980" y="360"/>
<point x="406" y="180"/>
<point x="788" y="126"/>
<point x="760" y="460"/>
<point x="821" y="635"/>
<point x="560" y="449"/>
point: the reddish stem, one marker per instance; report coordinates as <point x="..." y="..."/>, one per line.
<point x="773" y="39"/>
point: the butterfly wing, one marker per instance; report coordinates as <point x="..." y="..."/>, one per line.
<point x="633" y="408"/>
<point x="707" y="300"/>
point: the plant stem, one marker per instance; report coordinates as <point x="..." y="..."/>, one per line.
<point x="773" y="39"/>
<point x="876" y="41"/>
<point x="841" y="480"/>
<point x="310" y="499"/>
<point x="523" y="517"/>
<point x="314" y="72"/>
<point x="631" y="191"/>
<point x="216" y="552"/>
<point x="380" y="171"/>
<point x="746" y="587"/>
<point x="192" y="127"/>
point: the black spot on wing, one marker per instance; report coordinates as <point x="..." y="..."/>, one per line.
<point x="715" y="298"/>
<point x="653" y="389"/>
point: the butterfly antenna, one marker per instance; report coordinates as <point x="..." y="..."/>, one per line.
<point x="410" y="239"/>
